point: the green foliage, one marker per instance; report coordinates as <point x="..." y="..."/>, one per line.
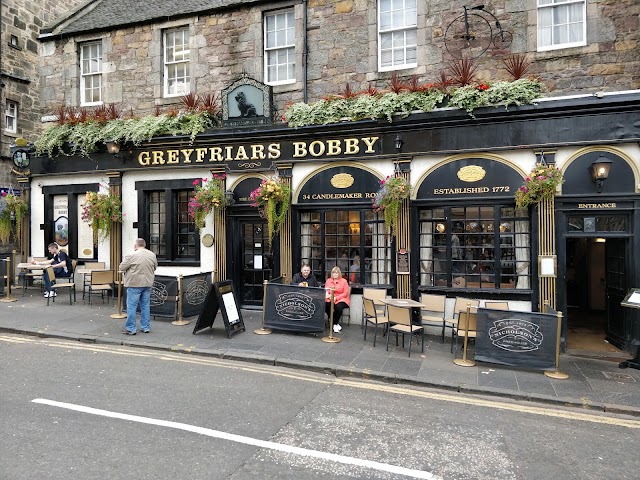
<point x="273" y="199"/>
<point x="100" y="210"/>
<point x="541" y="184"/>
<point x="11" y="205"/>
<point x="209" y="194"/>
<point x="388" y="200"/>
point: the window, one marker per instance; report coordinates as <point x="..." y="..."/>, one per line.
<point x="561" y="24"/>
<point x="353" y="240"/>
<point x="176" y="62"/>
<point x="475" y="247"/>
<point x="279" y="48"/>
<point x="11" y="117"/>
<point x="397" y="21"/>
<point x="164" y="220"/>
<point x="91" y="73"/>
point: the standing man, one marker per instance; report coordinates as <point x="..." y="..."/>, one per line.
<point x="62" y="267"/>
<point x="139" y="268"/>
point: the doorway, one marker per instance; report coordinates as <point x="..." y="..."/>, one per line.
<point x="595" y="279"/>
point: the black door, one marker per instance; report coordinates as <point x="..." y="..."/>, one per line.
<point x="252" y="259"/>
<point x="616" y="289"/>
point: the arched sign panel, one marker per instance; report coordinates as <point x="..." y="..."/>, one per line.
<point x="578" y="177"/>
<point x="339" y="185"/>
<point x="243" y="190"/>
<point x="470" y="178"/>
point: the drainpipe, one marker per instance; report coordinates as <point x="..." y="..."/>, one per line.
<point x="305" y="93"/>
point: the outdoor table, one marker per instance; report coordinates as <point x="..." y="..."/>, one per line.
<point x="27" y="267"/>
<point x="407" y="303"/>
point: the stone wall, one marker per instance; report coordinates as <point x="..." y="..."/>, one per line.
<point x="342" y="47"/>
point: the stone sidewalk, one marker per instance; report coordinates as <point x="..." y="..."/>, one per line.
<point x="596" y="384"/>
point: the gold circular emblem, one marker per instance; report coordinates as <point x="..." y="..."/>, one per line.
<point x="471" y="173"/>
<point x="342" y="180"/>
<point x="87" y="251"/>
<point x="207" y="240"/>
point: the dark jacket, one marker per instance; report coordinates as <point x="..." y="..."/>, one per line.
<point x="311" y="280"/>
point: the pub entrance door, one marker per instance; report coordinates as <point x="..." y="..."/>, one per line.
<point x="251" y="259"/>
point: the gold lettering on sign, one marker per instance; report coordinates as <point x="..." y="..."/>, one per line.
<point x="471" y="173"/>
<point x="596" y="205"/>
<point x="342" y="180"/>
<point x="460" y="191"/>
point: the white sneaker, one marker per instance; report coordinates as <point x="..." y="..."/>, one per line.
<point x="46" y="294"/>
<point x="53" y="294"/>
<point x="337" y="328"/>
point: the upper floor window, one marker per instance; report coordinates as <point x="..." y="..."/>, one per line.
<point x="561" y="24"/>
<point x="279" y="48"/>
<point x="11" y="117"/>
<point x="176" y="62"/>
<point x="91" y="73"/>
<point x="397" y="34"/>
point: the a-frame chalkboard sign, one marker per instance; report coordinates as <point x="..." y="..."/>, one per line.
<point x="221" y="297"/>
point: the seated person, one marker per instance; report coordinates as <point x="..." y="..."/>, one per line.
<point x="354" y="271"/>
<point x="341" y="298"/>
<point x="305" y="278"/>
<point x="61" y="264"/>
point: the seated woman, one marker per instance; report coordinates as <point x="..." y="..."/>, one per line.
<point x="341" y="298"/>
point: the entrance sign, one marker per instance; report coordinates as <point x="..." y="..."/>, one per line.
<point x="221" y="297"/>
<point x="294" y="308"/>
<point x="402" y="262"/>
<point x="547" y="266"/>
<point x="518" y="339"/>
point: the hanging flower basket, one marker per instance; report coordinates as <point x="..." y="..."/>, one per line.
<point x="272" y="198"/>
<point x="11" y="206"/>
<point x="100" y="210"/>
<point x="539" y="185"/>
<point x="393" y="191"/>
<point x="210" y="194"/>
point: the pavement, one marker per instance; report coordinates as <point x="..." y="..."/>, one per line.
<point x="596" y="384"/>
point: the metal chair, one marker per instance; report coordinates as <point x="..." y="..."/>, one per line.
<point x="57" y="284"/>
<point x="371" y="316"/>
<point x="101" y="281"/>
<point x="459" y="307"/>
<point x="377" y="295"/>
<point x="433" y="311"/>
<point x="400" y="322"/>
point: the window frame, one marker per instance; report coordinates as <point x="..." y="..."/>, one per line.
<point x="11" y="116"/>
<point x="85" y="76"/>
<point x="167" y="64"/>
<point x="551" y="6"/>
<point x="171" y="190"/>
<point x="286" y="47"/>
<point x="391" y="30"/>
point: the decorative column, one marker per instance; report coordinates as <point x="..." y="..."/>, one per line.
<point x="403" y="281"/>
<point x="286" y="253"/>
<point x="546" y="246"/>
<point x="25" y="228"/>
<point x="115" y="239"/>
<point x="220" y="234"/>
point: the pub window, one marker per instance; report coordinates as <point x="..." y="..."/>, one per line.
<point x="475" y="247"/>
<point x="561" y="24"/>
<point x="11" y="117"/>
<point x="177" y="55"/>
<point x="353" y="240"/>
<point x="280" y="48"/>
<point x="165" y="222"/>
<point x="397" y="34"/>
<point x="91" y="73"/>
<point x="598" y="224"/>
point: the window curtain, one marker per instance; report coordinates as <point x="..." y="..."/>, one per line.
<point x="523" y="255"/>
<point x="426" y="253"/>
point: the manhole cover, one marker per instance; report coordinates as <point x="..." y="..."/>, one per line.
<point x="619" y="377"/>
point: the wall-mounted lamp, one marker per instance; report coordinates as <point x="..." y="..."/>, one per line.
<point x="112" y="147"/>
<point x="399" y="143"/>
<point x="601" y="168"/>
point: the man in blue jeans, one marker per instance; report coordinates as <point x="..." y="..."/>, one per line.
<point x="139" y="270"/>
<point x="61" y="264"/>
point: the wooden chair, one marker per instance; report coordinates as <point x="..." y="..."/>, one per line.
<point x="466" y="321"/>
<point x="433" y="312"/>
<point x="101" y="281"/>
<point x="377" y="295"/>
<point x="400" y="322"/>
<point x="58" y="284"/>
<point x="87" y="278"/>
<point x="496" y="305"/>
<point x="459" y="307"/>
<point x="372" y="316"/>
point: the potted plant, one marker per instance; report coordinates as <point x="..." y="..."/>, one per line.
<point x="11" y="206"/>
<point x="540" y="184"/>
<point x="100" y="210"/>
<point x="393" y="191"/>
<point x="272" y="198"/>
<point x="209" y="194"/>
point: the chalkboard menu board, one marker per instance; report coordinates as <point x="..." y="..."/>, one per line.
<point x="402" y="262"/>
<point x="221" y="298"/>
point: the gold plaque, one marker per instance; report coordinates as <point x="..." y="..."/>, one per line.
<point x="342" y="180"/>
<point x="207" y="240"/>
<point x="471" y="173"/>
<point x="21" y="142"/>
<point x="87" y="251"/>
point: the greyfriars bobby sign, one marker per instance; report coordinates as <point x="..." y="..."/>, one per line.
<point x="246" y="102"/>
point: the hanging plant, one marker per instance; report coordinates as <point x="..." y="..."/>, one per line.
<point x="541" y="184"/>
<point x="272" y="198"/>
<point x="209" y="194"/>
<point x="100" y="210"/>
<point x="388" y="200"/>
<point x="11" y="206"/>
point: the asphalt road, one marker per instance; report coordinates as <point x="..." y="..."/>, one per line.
<point x="80" y="411"/>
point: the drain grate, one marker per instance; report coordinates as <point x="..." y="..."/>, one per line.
<point x="619" y="377"/>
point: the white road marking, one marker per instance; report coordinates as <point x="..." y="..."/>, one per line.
<point x="245" y="440"/>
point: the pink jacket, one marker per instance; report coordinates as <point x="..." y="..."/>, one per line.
<point x="341" y="292"/>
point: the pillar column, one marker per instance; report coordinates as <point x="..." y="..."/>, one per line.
<point x="403" y="235"/>
<point x="115" y="239"/>
<point x="286" y="253"/>
<point x="24" y="242"/>
<point x="220" y="234"/>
